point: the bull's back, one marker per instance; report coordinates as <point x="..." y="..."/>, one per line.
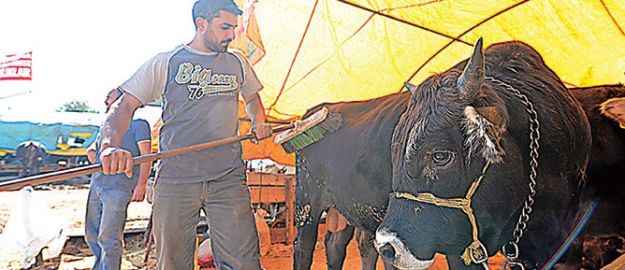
<point x="565" y="132"/>
<point x="608" y="138"/>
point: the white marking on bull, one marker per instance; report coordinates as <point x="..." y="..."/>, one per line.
<point x="403" y="258"/>
<point x="480" y="136"/>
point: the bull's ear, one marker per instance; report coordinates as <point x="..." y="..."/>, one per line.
<point x="614" y="109"/>
<point x="470" y="82"/>
<point x="493" y="115"/>
<point x="481" y="136"/>
<point x="411" y="87"/>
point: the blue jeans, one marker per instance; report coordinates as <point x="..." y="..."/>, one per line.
<point x="104" y="224"/>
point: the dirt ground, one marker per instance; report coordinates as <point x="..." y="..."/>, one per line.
<point x="69" y="202"/>
<point x="76" y="255"/>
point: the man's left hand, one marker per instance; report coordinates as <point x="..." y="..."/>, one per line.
<point x="138" y="194"/>
<point x="261" y="131"/>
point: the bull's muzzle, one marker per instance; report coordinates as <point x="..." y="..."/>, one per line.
<point x="393" y="251"/>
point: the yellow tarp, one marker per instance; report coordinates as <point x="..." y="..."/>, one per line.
<point x="352" y="52"/>
<point x="362" y="49"/>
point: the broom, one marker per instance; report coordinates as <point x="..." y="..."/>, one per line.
<point x="298" y="127"/>
<point x="303" y="134"/>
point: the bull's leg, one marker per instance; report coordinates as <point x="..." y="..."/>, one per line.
<point x="368" y="253"/>
<point x="454" y="262"/>
<point x="336" y="247"/>
<point x="307" y="218"/>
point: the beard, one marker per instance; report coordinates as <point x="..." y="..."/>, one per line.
<point x="220" y="46"/>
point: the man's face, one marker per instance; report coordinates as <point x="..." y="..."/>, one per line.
<point x="219" y="31"/>
<point x="111" y="97"/>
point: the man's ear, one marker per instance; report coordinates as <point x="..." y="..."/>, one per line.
<point x="614" y="109"/>
<point x="200" y="23"/>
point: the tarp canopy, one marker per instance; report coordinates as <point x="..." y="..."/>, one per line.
<point x="311" y="51"/>
<point x="361" y="49"/>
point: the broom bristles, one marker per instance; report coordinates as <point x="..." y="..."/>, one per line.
<point x="314" y="134"/>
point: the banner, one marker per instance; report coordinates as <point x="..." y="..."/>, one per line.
<point x="16" y="66"/>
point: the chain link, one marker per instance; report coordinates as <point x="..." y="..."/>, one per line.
<point x="534" y="145"/>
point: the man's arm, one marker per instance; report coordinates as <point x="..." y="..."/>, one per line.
<point x="114" y="159"/>
<point x="145" y="147"/>
<point x="256" y="113"/>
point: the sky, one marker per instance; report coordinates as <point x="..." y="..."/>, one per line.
<point x="82" y="49"/>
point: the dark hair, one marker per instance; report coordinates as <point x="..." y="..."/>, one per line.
<point x="208" y="9"/>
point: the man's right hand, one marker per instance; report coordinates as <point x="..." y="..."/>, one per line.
<point x="116" y="160"/>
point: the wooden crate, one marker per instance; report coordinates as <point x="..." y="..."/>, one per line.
<point x="275" y="188"/>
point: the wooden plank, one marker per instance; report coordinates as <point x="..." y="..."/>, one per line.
<point x="278" y="235"/>
<point x="266" y="179"/>
<point x="267" y="194"/>
<point x="290" y="206"/>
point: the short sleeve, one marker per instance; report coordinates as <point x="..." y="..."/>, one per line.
<point x="142" y="131"/>
<point x="149" y="80"/>
<point x="251" y="84"/>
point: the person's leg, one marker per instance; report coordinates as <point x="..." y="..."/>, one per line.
<point x="92" y="224"/>
<point x="111" y="235"/>
<point x="233" y="234"/>
<point x="175" y="213"/>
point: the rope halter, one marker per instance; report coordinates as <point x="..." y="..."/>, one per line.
<point x="476" y="252"/>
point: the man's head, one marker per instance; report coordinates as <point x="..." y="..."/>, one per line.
<point x="111" y="97"/>
<point x="215" y="21"/>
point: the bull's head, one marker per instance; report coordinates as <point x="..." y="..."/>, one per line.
<point x="451" y="130"/>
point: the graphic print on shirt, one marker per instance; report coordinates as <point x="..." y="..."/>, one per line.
<point x="202" y="82"/>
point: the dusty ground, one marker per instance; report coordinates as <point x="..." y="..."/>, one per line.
<point x="77" y="256"/>
<point x="69" y="203"/>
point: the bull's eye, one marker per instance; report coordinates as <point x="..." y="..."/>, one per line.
<point x="441" y="158"/>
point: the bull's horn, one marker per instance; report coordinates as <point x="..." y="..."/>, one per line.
<point x="470" y="82"/>
<point x="411" y="87"/>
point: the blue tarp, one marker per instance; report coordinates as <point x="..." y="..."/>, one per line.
<point x="58" y="138"/>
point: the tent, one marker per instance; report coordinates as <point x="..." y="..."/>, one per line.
<point x="316" y="51"/>
<point x="329" y="50"/>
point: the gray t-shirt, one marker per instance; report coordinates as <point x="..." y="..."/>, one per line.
<point x="138" y="132"/>
<point x="200" y="94"/>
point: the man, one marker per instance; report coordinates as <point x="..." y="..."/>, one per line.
<point x="199" y="83"/>
<point x="109" y="195"/>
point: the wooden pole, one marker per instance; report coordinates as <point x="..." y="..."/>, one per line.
<point x="94" y="168"/>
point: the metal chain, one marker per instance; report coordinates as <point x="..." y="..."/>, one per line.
<point x="534" y="135"/>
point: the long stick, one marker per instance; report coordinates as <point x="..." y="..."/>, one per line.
<point x="94" y="168"/>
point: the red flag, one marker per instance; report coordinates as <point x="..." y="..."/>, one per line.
<point x="16" y="66"/>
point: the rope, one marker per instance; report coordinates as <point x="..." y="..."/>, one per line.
<point x="475" y="252"/>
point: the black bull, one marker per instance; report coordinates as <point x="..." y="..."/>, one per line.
<point x="31" y="154"/>
<point x="350" y="169"/>
<point x="457" y="123"/>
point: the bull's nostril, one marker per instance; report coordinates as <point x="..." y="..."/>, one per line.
<point x="388" y="252"/>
